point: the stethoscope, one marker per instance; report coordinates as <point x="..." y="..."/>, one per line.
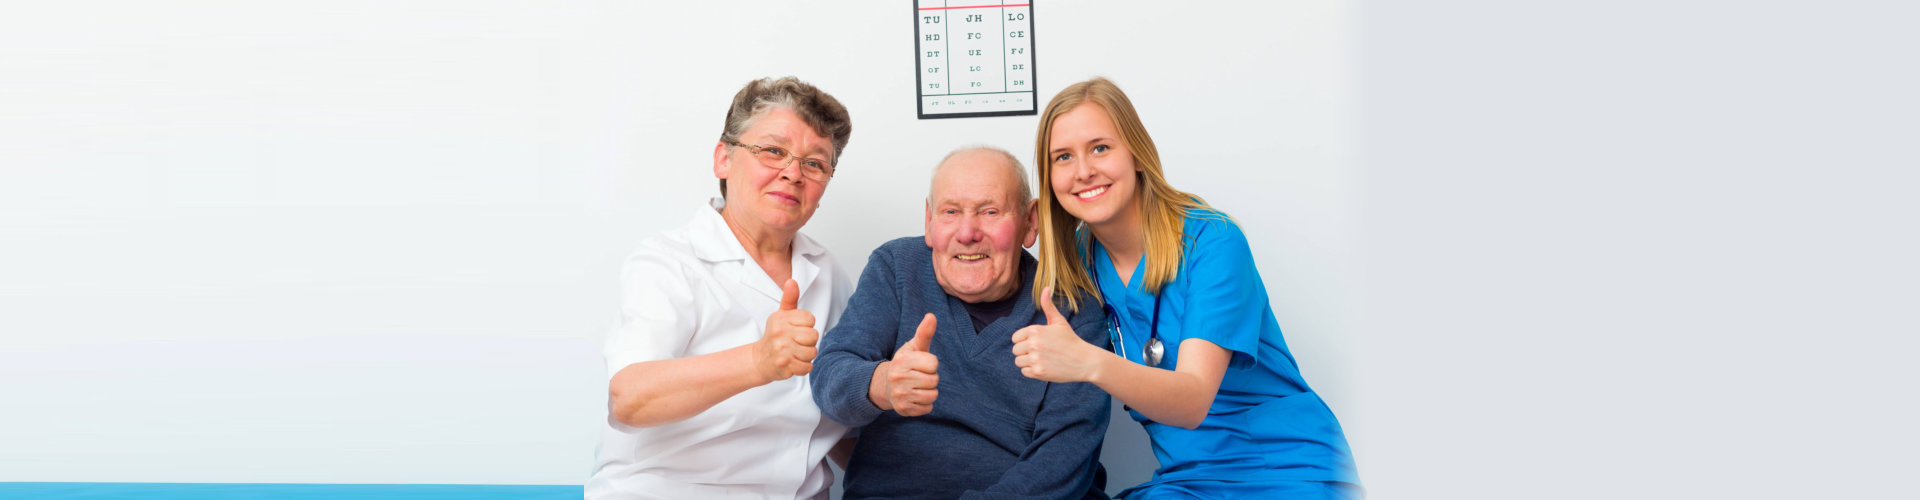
<point x="1154" y="351"/>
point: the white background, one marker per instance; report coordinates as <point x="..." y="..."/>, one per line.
<point x="1641" y="249"/>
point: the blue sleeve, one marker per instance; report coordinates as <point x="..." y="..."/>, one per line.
<point x="1226" y="302"/>
<point x="1063" y="458"/>
<point x="864" y="337"/>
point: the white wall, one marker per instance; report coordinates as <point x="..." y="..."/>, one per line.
<point x="377" y="243"/>
<point x="1620" y="249"/>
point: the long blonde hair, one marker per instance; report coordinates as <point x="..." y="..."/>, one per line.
<point x="1163" y="209"/>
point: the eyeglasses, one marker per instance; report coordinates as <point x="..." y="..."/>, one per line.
<point x="777" y="158"/>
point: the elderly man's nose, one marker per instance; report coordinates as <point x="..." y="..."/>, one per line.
<point x="969" y="230"/>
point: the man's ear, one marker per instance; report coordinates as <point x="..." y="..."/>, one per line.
<point x="720" y="160"/>
<point x="927" y="229"/>
<point x="1033" y="223"/>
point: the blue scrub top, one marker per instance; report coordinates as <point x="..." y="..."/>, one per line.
<point x="1265" y="424"/>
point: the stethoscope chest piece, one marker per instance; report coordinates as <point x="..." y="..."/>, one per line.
<point x="1153" y="352"/>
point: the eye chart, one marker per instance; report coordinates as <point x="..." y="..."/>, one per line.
<point x="974" y="58"/>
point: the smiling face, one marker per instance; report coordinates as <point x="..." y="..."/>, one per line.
<point x="763" y="198"/>
<point x="1092" y="173"/>
<point x="977" y="225"/>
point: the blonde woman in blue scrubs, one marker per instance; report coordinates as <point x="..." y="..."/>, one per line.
<point x="1198" y="357"/>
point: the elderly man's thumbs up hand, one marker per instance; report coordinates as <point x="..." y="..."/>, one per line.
<point x="913" y="377"/>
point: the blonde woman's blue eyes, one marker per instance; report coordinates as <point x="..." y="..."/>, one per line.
<point x="1098" y="148"/>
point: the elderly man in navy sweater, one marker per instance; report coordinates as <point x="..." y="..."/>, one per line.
<point x="922" y="359"/>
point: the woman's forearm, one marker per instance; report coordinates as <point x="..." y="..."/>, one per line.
<point x="670" y="390"/>
<point x="1178" y="397"/>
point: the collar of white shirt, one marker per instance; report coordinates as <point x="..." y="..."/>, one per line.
<point x="712" y="241"/>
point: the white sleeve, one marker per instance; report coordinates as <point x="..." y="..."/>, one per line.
<point x="657" y="312"/>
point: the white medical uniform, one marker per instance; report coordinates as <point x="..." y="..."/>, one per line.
<point x="693" y="291"/>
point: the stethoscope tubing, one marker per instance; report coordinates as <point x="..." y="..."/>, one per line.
<point x="1151" y="353"/>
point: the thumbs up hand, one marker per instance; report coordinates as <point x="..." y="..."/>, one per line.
<point x="787" y="348"/>
<point x="913" y="377"/>
<point x="1053" y="352"/>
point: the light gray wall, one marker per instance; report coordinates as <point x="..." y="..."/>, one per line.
<point x="1638" y="249"/>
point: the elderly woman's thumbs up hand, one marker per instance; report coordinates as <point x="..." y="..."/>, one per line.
<point x="787" y="348"/>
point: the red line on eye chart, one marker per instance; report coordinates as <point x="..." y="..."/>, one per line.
<point x="976" y="6"/>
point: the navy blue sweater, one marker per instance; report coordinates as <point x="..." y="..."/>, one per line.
<point x="993" y="433"/>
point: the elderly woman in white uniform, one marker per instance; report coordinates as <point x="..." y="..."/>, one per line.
<point x="707" y="396"/>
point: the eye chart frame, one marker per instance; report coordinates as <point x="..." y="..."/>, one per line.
<point x="934" y="58"/>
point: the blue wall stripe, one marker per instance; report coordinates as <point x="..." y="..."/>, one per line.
<point x="252" y="491"/>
